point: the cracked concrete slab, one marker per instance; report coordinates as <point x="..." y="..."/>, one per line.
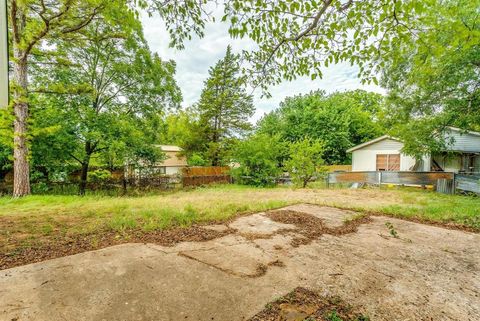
<point x="428" y="273"/>
<point x="244" y="259"/>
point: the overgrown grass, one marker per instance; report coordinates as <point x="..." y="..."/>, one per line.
<point x="432" y="206"/>
<point x="47" y="214"/>
<point x="38" y="217"/>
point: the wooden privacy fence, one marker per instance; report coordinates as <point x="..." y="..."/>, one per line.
<point x="338" y="168"/>
<point x="446" y="182"/>
<point x="197" y="176"/>
<point x="205" y="171"/>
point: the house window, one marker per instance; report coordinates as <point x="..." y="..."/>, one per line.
<point x="388" y="162"/>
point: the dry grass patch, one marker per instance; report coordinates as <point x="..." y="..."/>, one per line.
<point x="59" y="247"/>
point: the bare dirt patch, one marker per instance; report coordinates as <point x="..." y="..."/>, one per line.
<point x="55" y="248"/>
<point x="303" y="304"/>
<point x="311" y="227"/>
<point x="278" y="263"/>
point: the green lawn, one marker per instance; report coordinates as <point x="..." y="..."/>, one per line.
<point x="38" y="218"/>
<point x="432" y="206"/>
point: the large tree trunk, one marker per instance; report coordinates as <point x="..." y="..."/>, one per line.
<point x="83" y="178"/>
<point x="305" y="182"/>
<point x="21" y="170"/>
<point x="216" y="141"/>
<point x="85" y="165"/>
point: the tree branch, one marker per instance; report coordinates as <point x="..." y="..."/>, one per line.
<point x="75" y="158"/>
<point x="46" y="29"/>
<point x="49" y="21"/>
<point x="312" y="26"/>
<point x="83" y="23"/>
<point x="14" y="18"/>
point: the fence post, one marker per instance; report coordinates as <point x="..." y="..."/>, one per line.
<point x="327" y="181"/>
<point x="124" y="185"/>
<point x="454" y="183"/>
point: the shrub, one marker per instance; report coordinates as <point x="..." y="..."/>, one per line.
<point x="99" y="175"/>
<point x="305" y="161"/>
<point x="196" y="159"/>
<point x="259" y="159"/>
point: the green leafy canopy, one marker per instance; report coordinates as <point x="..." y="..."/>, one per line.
<point x="339" y="120"/>
<point x="433" y="81"/>
<point x="305" y="161"/>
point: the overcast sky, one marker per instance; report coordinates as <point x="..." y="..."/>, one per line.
<point x="199" y="54"/>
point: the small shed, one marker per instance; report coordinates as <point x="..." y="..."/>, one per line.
<point x="175" y="161"/>
<point x="173" y="164"/>
<point x="384" y="153"/>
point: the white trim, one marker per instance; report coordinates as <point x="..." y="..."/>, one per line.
<point x="169" y="148"/>
<point x="373" y="141"/>
<point x="461" y="131"/>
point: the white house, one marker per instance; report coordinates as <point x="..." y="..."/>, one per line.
<point x="385" y="154"/>
<point x="173" y="164"/>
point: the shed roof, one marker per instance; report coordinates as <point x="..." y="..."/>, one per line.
<point x="370" y="142"/>
<point x="464" y="131"/>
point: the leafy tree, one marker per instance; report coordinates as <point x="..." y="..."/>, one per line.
<point x="196" y="160"/>
<point x="305" y="160"/>
<point x="294" y="37"/>
<point x="433" y="81"/>
<point x="123" y="87"/>
<point x="300" y="37"/>
<point x="259" y="158"/>
<point x="224" y="107"/>
<point x="6" y="141"/>
<point x="183" y="128"/>
<point x="339" y="120"/>
<point x="33" y="23"/>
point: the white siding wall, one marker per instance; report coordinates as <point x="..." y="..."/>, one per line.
<point x="385" y="145"/>
<point x="173" y="170"/>
<point x="365" y="159"/>
<point x="407" y="163"/>
<point x="463" y="142"/>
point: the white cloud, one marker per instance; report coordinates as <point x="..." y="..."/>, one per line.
<point x="199" y="54"/>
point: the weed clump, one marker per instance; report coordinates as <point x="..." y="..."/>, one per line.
<point x="309" y="305"/>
